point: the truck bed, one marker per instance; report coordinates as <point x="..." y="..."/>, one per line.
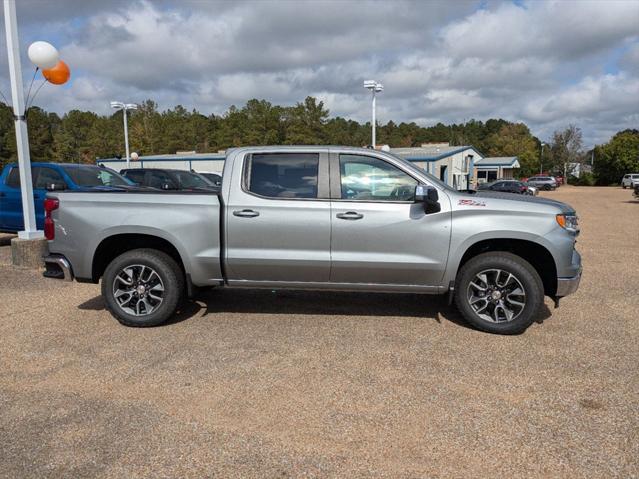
<point x="190" y="221"/>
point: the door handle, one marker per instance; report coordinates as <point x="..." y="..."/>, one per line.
<point x="350" y="215"/>
<point x="246" y="213"/>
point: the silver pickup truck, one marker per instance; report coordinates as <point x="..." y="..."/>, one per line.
<point x="327" y="218"/>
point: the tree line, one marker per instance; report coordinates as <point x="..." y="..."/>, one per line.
<point x="82" y="136"/>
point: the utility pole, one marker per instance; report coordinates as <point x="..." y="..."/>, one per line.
<point x="20" y="121"/>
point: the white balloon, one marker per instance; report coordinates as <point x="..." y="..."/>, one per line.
<point x="134" y="156"/>
<point x="43" y="55"/>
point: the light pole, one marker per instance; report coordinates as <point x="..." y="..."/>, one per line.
<point x="22" y="139"/>
<point x="118" y="105"/>
<point x="541" y="159"/>
<point x="374" y="87"/>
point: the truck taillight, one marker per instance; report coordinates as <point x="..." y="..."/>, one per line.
<point x="50" y="204"/>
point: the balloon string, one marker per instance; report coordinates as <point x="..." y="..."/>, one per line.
<point x="34" y="95"/>
<point x="5" y="99"/>
<point x="26" y="103"/>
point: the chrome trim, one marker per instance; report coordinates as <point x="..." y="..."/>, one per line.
<point x="567" y="286"/>
<point x="63" y="263"/>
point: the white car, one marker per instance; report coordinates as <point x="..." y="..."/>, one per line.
<point x="630" y="180"/>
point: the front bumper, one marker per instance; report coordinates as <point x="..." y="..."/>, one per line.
<point x="566" y="286"/>
<point x="57" y="267"/>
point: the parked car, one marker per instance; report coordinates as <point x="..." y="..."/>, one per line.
<point x="630" y="180"/>
<point x="545" y="183"/>
<point x="213" y="178"/>
<point x="284" y="219"/>
<point x="167" y="179"/>
<point x="48" y="176"/>
<point x="507" y="186"/>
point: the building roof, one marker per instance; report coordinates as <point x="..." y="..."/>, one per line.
<point x="503" y="161"/>
<point x="179" y="157"/>
<point x="429" y="152"/>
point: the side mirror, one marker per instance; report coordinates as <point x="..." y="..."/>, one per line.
<point x="429" y="196"/>
<point x="56" y="186"/>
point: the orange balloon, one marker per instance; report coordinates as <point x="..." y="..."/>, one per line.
<point x="58" y="75"/>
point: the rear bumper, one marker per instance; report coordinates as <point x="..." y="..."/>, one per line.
<point x="57" y="267"/>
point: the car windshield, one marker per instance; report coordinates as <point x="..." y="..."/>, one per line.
<point x="191" y="180"/>
<point x="85" y="175"/>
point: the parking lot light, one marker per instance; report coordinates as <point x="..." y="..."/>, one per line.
<point x="118" y="105"/>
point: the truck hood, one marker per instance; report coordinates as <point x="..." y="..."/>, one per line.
<point x="563" y="207"/>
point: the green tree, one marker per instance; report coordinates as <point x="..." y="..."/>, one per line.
<point x="617" y="157"/>
<point x="70" y="139"/>
<point x="305" y="123"/>
<point x="515" y="139"/>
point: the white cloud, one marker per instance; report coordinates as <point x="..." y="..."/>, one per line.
<point x="543" y="62"/>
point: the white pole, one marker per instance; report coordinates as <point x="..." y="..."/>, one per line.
<point x="374" y="121"/>
<point x="541" y="160"/>
<point x="22" y="138"/>
<point x="126" y="139"/>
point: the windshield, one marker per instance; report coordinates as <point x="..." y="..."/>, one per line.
<point x="85" y="175"/>
<point x="430" y="177"/>
<point x="191" y="180"/>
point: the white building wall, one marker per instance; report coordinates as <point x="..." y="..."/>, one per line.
<point x="201" y="166"/>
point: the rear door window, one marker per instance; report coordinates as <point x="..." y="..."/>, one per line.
<point x="45" y="177"/>
<point x="136" y="176"/>
<point x="158" y="179"/>
<point x="283" y="175"/>
<point x="13" y="179"/>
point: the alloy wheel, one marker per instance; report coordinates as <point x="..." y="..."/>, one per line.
<point x="138" y="290"/>
<point x="496" y="295"/>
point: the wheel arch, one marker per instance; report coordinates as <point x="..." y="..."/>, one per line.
<point x="534" y="253"/>
<point x="113" y="246"/>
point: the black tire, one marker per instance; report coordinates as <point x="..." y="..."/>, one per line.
<point x="547" y="187"/>
<point x="623" y="186"/>
<point x="521" y="270"/>
<point x="169" y="273"/>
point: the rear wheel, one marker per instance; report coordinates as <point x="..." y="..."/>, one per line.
<point x="547" y="187"/>
<point x="142" y="287"/>
<point x="499" y="293"/>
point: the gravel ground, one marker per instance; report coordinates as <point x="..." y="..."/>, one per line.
<point x="301" y="384"/>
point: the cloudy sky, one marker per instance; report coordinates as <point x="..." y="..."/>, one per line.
<point x="544" y="63"/>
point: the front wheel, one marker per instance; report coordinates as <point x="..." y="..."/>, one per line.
<point x="499" y="292"/>
<point x="142" y="287"/>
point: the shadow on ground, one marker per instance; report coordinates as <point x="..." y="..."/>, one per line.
<point x="5" y="240"/>
<point x="315" y="303"/>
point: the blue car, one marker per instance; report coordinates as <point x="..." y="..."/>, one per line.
<point x="48" y="177"/>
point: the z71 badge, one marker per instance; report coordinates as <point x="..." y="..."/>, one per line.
<point x="471" y="203"/>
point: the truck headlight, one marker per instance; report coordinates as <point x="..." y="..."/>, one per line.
<point x="568" y="222"/>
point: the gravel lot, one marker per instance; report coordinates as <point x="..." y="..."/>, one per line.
<point x="299" y="384"/>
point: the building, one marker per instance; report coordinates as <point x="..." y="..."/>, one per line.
<point x="188" y="160"/>
<point x="497" y="167"/>
<point x="454" y="165"/>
